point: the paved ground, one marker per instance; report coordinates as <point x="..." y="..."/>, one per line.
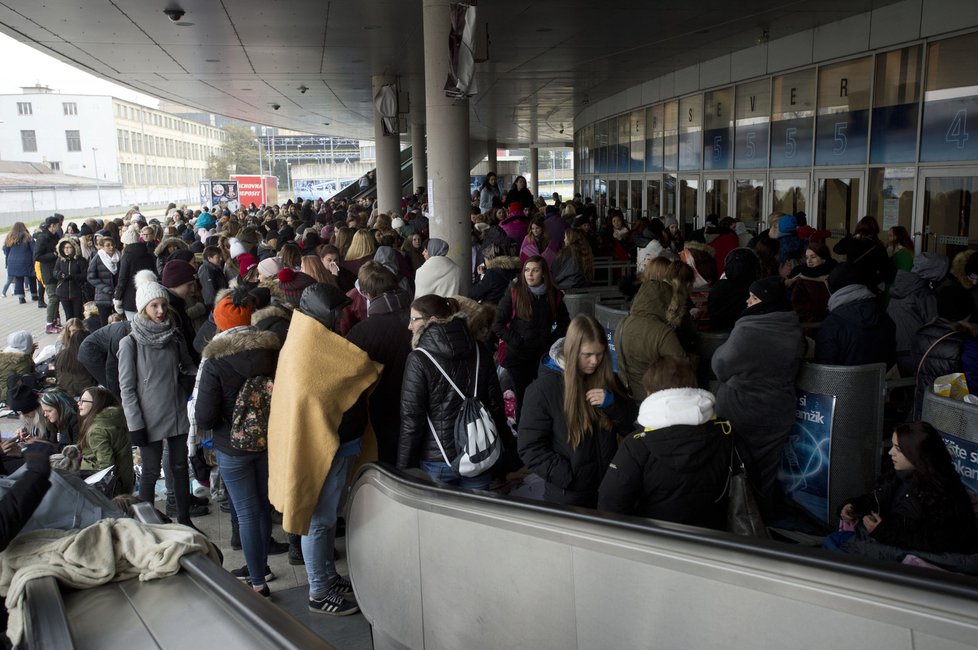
<point x="289" y="589"/>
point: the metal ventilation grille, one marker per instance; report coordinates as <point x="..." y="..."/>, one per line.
<point x="951" y="416"/>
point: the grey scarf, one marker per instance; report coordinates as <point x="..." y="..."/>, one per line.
<point x="152" y="334"/>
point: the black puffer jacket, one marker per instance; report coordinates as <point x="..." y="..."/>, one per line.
<point x="135" y="258"/>
<point x="500" y="272"/>
<point x="45" y="252"/>
<point x="228" y="360"/>
<point x="426" y="393"/>
<point x="572" y="475"/>
<point x="943" y="359"/>
<point x="99" y="353"/>
<point x="527" y="341"/>
<point x="274" y="318"/>
<point x="102" y="280"/>
<point x="70" y="272"/>
<point x="857" y="330"/>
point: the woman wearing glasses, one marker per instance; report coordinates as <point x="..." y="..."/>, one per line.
<point x="104" y="438"/>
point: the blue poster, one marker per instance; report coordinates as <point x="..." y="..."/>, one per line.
<point x="751" y="146"/>
<point x="946" y="133"/>
<point x="841" y="138"/>
<point x="717" y="149"/>
<point x="964" y="455"/>
<point x="805" y="461"/>
<point x="791" y="142"/>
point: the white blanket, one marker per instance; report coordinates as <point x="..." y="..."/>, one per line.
<point x="108" y="551"/>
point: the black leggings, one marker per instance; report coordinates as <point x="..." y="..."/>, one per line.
<point x="152" y="455"/>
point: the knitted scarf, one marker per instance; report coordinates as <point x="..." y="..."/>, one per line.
<point x="152" y="334"/>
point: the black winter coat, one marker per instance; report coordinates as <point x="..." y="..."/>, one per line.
<point x="572" y="476"/>
<point x="99" y="353"/>
<point x="20" y="502"/>
<point x="228" y="360"/>
<point x="856" y="333"/>
<point x="943" y="359"/>
<point x="70" y="274"/>
<point x="178" y="314"/>
<point x="426" y="394"/>
<point x="212" y="280"/>
<point x="102" y="280"/>
<point x="135" y="258"/>
<point x="673" y="474"/>
<point x="274" y="318"/>
<point x="46" y="252"/>
<point x="527" y="341"/>
<point x="912" y="522"/>
<point x="384" y="336"/>
<point x="499" y="275"/>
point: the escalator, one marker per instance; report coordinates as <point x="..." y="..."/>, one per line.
<point x="435" y="567"/>
<point x="352" y="192"/>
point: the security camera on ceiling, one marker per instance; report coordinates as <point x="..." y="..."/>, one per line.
<point x="174" y="14"/>
<point x="276" y="107"/>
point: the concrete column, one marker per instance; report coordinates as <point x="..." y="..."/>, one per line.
<point x="449" y="198"/>
<point x="491" y="154"/>
<point x="535" y="171"/>
<point x="419" y="156"/>
<point x="388" y="158"/>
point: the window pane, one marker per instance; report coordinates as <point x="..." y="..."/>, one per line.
<point x="624" y="143"/>
<point x="753" y="124"/>
<point x="792" y="112"/>
<point x="718" y="111"/>
<point x="670" y="143"/>
<point x="950" y="98"/>
<point x="74" y="140"/>
<point x="637" y="127"/>
<point x="654" y="129"/>
<point x="896" y="106"/>
<point x="652" y="197"/>
<point x="28" y="140"/>
<point x="691" y="132"/>
<point x="890" y="197"/>
<point x="843" y="112"/>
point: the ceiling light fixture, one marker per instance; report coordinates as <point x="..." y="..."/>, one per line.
<point x="303" y="88"/>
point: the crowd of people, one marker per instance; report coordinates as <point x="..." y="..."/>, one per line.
<point x="264" y="348"/>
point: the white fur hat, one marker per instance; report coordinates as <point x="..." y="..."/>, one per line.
<point x="237" y="248"/>
<point x="148" y="289"/>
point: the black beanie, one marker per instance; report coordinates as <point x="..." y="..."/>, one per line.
<point x="22" y="399"/>
<point x="769" y="290"/>
<point x="843" y="275"/>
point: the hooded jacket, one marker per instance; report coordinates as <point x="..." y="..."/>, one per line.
<point x="438" y="275"/>
<point x="527" y="341"/>
<point x="676" y="469"/>
<point x="913" y="299"/>
<point x="162" y="256"/>
<point x="857" y="330"/>
<point x="425" y="393"/>
<point x="728" y="296"/>
<point x="135" y="258"/>
<point x="757" y="366"/>
<point x="212" y="281"/>
<point x="943" y="359"/>
<point x="99" y="353"/>
<point x="20" y="258"/>
<point x="70" y="272"/>
<point x="13" y="363"/>
<point x="231" y="358"/>
<point x="107" y="444"/>
<point x="274" y="318"/>
<point x="102" y="279"/>
<point x="46" y="253"/>
<point x="500" y="272"/>
<point x="648" y="332"/>
<point x="571" y="476"/>
<point x="385" y="337"/>
<point x="810" y="291"/>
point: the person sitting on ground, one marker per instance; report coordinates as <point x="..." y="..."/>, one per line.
<point x="71" y="375"/>
<point x="857" y="330"/>
<point x="16" y="358"/>
<point x="61" y="417"/>
<point x="920" y="506"/>
<point x="103" y="438"/>
<point x="676" y="469"/>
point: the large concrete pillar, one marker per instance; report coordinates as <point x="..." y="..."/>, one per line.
<point x="491" y="154"/>
<point x="535" y="171"/>
<point x="447" y="119"/>
<point x="419" y="157"/>
<point x="388" y="158"/>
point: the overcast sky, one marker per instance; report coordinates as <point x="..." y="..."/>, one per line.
<point x="34" y="67"/>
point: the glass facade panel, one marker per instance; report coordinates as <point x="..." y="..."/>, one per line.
<point x="792" y="119"/>
<point x="890" y="196"/>
<point x="749" y="201"/>
<point x="789" y="195"/>
<point x="624" y="143"/>
<point x="635" y="200"/>
<point x="691" y="132"/>
<point x="653" y="195"/>
<point x="838" y="205"/>
<point x="896" y="99"/>
<point x="842" y="131"/>
<point x="636" y="125"/>
<point x="753" y="124"/>
<point x="950" y="100"/>
<point x="950" y="214"/>
<point x="717" y="197"/>
<point x="670" y="142"/>
<point x="669" y="195"/>
<point x="689" y="190"/>
<point x="613" y="155"/>
<point x="612" y="194"/>
<point x="718" y="112"/>
<point x="601" y="146"/>
<point x="654" y="125"/>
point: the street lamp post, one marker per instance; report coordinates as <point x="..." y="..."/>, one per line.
<point x="258" y="142"/>
<point x="98" y="186"/>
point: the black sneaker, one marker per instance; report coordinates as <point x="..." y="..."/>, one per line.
<point x="199" y="501"/>
<point x="333" y="604"/>
<point x="195" y="510"/>
<point x="277" y="548"/>
<point x="243" y="575"/>
<point x="343" y="587"/>
<point x="265" y="591"/>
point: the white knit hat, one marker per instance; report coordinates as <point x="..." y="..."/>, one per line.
<point x="20" y="341"/>
<point x="148" y="289"/>
<point x="131" y="236"/>
<point x="237" y="248"/>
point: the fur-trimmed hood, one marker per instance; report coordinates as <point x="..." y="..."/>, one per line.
<point x="240" y="339"/>
<point x="68" y="239"/>
<point x="166" y="243"/>
<point x="957" y="267"/>
<point x="433" y="342"/>
<point x="505" y="262"/>
<point x="274" y="310"/>
<point x="703" y="248"/>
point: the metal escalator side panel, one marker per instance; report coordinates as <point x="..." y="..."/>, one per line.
<point x="45" y="619"/>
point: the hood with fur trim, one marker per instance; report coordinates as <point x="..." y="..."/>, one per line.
<point x="443" y="336"/>
<point x="74" y="242"/>
<point x="505" y="262"/>
<point x="957" y="267"/>
<point x="166" y="243"/>
<point x="275" y="309"/>
<point x="673" y="406"/>
<point x="240" y="339"/>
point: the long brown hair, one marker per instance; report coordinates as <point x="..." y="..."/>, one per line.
<point x="524" y="298"/>
<point x="313" y="267"/>
<point x="577" y="246"/>
<point x="18" y="235"/>
<point x="580" y="416"/>
<point x="102" y="398"/>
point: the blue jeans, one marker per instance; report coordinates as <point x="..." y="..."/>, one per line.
<point x="246" y="479"/>
<point x="318" y="546"/>
<point x="443" y="473"/>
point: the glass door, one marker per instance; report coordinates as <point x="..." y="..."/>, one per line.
<point x="749" y="202"/>
<point x="789" y="194"/>
<point x="841" y="201"/>
<point x="689" y="204"/>
<point x="653" y="196"/>
<point x="717" y="195"/>
<point x="635" y="200"/>
<point x="947" y="210"/>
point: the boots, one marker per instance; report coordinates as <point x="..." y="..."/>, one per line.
<point x="235" y="536"/>
<point x="51" y="328"/>
<point x="295" y="550"/>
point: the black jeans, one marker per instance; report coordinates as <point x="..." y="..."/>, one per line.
<point x="179" y="469"/>
<point x="74" y="308"/>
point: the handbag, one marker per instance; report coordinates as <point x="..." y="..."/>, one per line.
<point x="743" y="513"/>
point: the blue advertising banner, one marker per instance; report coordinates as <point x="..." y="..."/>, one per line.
<point x="946" y="134"/>
<point x="842" y="138"/>
<point x="717" y="149"/>
<point x="964" y="454"/>
<point x="805" y="461"/>
<point x="690" y="150"/>
<point x="751" y="146"/>
<point x="791" y="142"/>
<point x="894" y="134"/>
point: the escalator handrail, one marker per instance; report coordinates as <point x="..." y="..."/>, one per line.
<point x="45" y="620"/>
<point x="943" y="583"/>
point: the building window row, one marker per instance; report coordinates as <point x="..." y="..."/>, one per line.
<point x="162" y="120"/>
<point x="134" y="142"/>
<point x="132" y="174"/>
<point x="28" y="141"/>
